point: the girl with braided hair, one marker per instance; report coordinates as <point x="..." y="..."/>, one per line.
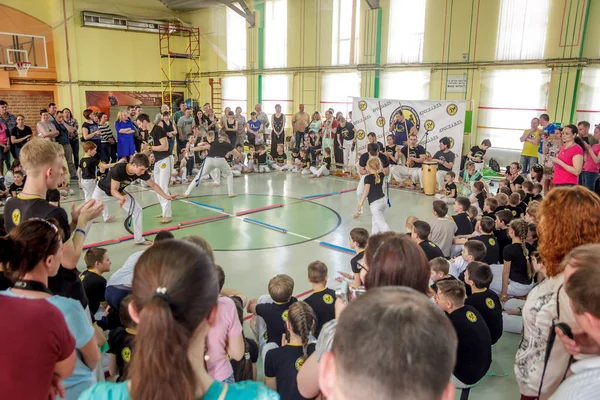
<point x="282" y="364"/>
<point x="374" y="192"/>
<point x="517" y="276"/>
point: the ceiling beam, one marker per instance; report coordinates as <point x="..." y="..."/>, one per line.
<point x="244" y="12"/>
<point x="373" y="4"/>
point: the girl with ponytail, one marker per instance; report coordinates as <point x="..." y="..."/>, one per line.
<point x="30" y="254"/>
<point x="282" y="364"/>
<point x="175" y="290"/>
<point x="517" y="276"/>
<point x="374" y="192"/>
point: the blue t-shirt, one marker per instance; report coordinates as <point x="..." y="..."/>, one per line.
<point x="548" y="130"/>
<point x="254" y="125"/>
<point x="236" y="391"/>
<point x="80" y="326"/>
<point x="401" y="131"/>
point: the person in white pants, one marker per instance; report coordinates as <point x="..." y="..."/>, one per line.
<point x="87" y="169"/>
<point x="374" y="191"/>
<point x="112" y="187"/>
<point x="159" y="146"/>
<point x="325" y="167"/>
<point x="372" y="152"/>
<point x="346" y="131"/>
<point x="280" y="159"/>
<point x="445" y="159"/>
<point x="215" y="160"/>
<point x="415" y="155"/>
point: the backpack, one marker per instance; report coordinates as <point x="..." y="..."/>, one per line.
<point x="494" y="165"/>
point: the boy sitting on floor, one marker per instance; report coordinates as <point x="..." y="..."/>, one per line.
<point x="479" y="276"/>
<point x="322" y="301"/>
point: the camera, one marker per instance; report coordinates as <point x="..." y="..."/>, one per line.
<point x="343" y="293"/>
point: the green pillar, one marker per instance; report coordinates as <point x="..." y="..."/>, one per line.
<point x="578" y="75"/>
<point x="377" y="53"/>
<point x="260" y="7"/>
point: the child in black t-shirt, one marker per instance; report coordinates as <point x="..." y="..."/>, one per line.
<point x="261" y="158"/>
<point x="479" y="194"/>
<point x="440" y="268"/>
<point x="528" y="189"/>
<point x="420" y="234"/>
<point x="502" y="199"/>
<point x="503" y="218"/>
<point x="325" y="165"/>
<point x="358" y="242"/>
<point x="273" y="311"/>
<point x="121" y="342"/>
<point x="478" y="276"/>
<point x="18" y="185"/>
<point x="461" y="219"/>
<point x="485" y="228"/>
<point x="450" y="191"/>
<point x="282" y="364"/>
<point x="97" y="263"/>
<point x="322" y="300"/>
<point x="514" y="205"/>
<point x="489" y="207"/>
<point x="296" y="161"/>
<point x="537" y="192"/>
<point x="473" y="213"/>
<point x="477" y="152"/>
<point x="279" y="159"/>
<point x="304" y="162"/>
<point x="474" y="352"/>
<point x="251" y="165"/>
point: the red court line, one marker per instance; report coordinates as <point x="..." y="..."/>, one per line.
<point x="283" y="101"/>
<point x="336" y="102"/>
<point x="510" y="108"/>
<point x="247" y="317"/>
<point x="588" y="111"/>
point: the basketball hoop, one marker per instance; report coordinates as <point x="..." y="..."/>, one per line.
<point x="22" y="68"/>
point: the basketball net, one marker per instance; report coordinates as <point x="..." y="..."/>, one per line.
<point x="22" y="68"/>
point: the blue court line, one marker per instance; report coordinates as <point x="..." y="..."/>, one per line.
<point x="276" y="228"/>
<point x="312" y="196"/>
<point x="206" y="205"/>
<point x="336" y="247"/>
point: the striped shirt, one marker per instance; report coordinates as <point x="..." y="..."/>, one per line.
<point x="106" y="132"/>
<point x="584" y="384"/>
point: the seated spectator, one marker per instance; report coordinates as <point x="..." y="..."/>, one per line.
<point x="442" y="227"/>
<point x="503" y="218"/>
<point x="489" y="207"/>
<point x="450" y="191"/>
<point x="514" y="205"/>
<point x="461" y="219"/>
<point x="473" y="213"/>
<point x="39" y="351"/>
<point x="485" y="228"/>
<point x="440" y="271"/>
<point x="358" y="242"/>
<point x="517" y="276"/>
<point x="479" y="276"/>
<point x="174" y="305"/>
<point x="282" y="364"/>
<point x="420" y="235"/>
<point x="97" y="263"/>
<point x="531" y="212"/>
<point x="474" y="353"/>
<point x="528" y="189"/>
<point x="582" y="288"/>
<point x="272" y="309"/>
<point x="322" y="299"/>
<point x="502" y="200"/>
<point x="537" y="191"/>
<point x="121" y="341"/>
<point x="410" y="223"/>
<point x="472" y="251"/>
<point x="359" y="337"/>
<point x="245" y="369"/>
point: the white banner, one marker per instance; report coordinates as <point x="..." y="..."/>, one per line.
<point x="433" y="120"/>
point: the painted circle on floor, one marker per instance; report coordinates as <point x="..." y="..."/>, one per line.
<point x="304" y="220"/>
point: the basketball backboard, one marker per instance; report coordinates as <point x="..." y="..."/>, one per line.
<point x="16" y="47"/>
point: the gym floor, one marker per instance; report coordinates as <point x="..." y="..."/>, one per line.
<point x="251" y="254"/>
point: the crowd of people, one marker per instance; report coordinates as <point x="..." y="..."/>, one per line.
<point x="417" y="313"/>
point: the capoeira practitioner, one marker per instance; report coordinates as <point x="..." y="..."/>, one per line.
<point x="372" y="151"/>
<point x="415" y="155"/>
<point x="158" y="144"/>
<point x="113" y="185"/>
<point x="218" y="150"/>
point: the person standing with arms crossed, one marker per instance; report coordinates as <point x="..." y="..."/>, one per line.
<point x="531" y="139"/>
<point x="300" y="122"/>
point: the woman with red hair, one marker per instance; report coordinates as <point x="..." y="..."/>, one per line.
<point x="559" y="233"/>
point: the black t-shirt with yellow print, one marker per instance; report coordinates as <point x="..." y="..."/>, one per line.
<point x="283" y="364"/>
<point x="275" y="316"/>
<point x="323" y="304"/>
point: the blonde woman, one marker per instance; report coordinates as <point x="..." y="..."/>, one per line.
<point x="125" y="140"/>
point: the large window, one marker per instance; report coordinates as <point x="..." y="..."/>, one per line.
<point x="277" y="89"/>
<point x="236" y="40"/>
<point x="509" y="100"/>
<point x="588" y="98"/>
<point x="522" y="29"/>
<point x="337" y="91"/>
<point x="276" y="33"/>
<point x="342" y="32"/>
<point x="234" y="92"/>
<point x="406" y="32"/>
<point x="404" y="85"/>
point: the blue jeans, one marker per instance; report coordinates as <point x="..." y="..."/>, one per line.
<point x="588" y="179"/>
<point x="527" y="162"/>
<point x="299" y="140"/>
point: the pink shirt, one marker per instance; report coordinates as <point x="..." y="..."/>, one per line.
<point x="3" y="137"/>
<point x="561" y="176"/>
<point x="589" y="165"/>
<point x="227" y="327"/>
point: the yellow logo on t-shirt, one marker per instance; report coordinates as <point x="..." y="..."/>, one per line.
<point x="514" y="213"/>
<point x="490" y="303"/>
<point x="84" y="164"/>
<point x="163" y="165"/>
<point x="16" y="216"/>
<point x="471" y="316"/>
<point x="492" y="242"/>
<point x="284" y="316"/>
<point x="299" y="363"/>
<point x="432" y="244"/>
<point x="126" y="354"/>
<point x="265" y="336"/>
<point x="328" y="299"/>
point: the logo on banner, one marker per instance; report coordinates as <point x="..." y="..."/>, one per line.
<point x="429" y="125"/>
<point x="362" y="105"/>
<point x="452" y="109"/>
<point x="451" y="142"/>
<point x="409" y="113"/>
<point x="380" y="121"/>
<point x="360" y="134"/>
